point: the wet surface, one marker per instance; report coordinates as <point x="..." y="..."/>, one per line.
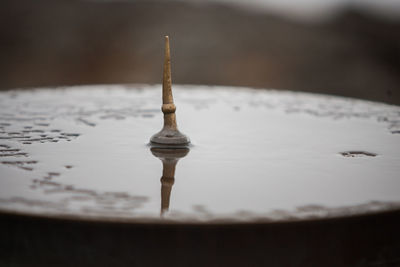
<point x="264" y="155"/>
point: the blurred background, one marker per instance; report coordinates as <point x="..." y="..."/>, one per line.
<point x="342" y="47"/>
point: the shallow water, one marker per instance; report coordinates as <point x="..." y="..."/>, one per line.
<point x="255" y="154"/>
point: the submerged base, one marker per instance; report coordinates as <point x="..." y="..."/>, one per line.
<point x="168" y="153"/>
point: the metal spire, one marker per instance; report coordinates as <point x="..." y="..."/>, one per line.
<point x="169" y="135"/>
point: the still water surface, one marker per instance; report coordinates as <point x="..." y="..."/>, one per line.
<point x="255" y="154"/>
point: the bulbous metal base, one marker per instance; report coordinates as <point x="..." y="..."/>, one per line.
<point x="169" y="137"/>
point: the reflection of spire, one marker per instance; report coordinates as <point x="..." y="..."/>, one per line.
<point x="169" y="158"/>
<point x="169" y="135"/>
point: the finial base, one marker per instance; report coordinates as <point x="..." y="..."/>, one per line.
<point x="169" y="137"/>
